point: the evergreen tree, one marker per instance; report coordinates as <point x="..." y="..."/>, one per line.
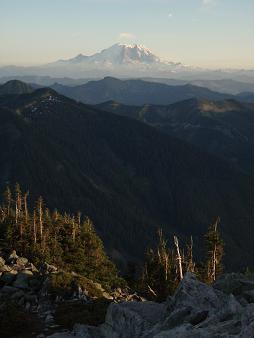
<point x="214" y="252"/>
<point x="159" y="277"/>
<point x="55" y="238"/>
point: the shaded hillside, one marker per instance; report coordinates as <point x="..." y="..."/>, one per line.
<point x="14" y="87"/>
<point x="223" y="128"/>
<point x="128" y="177"/>
<point x="246" y="97"/>
<point x="226" y="86"/>
<point x="135" y="92"/>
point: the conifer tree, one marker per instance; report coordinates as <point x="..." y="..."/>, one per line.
<point x="54" y="238"/>
<point x="159" y="276"/>
<point x="214" y="252"/>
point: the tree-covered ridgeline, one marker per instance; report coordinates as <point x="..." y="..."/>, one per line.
<point x="71" y="243"/>
<point x="68" y="241"/>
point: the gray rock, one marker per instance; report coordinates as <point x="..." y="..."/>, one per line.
<point x="31" y="267"/>
<point x="106" y="295"/>
<point x="21" y="281"/>
<point x="195" y="310"/>
<point x="5" y="268"/>
<point x="8" y="289"/>
<point x="25" y="274"/>
<point x="47" y="268"/>
<point x="32" y="298"/>
<point x="235" y="283"/>
<point x="13" y="257"/>
<point x="21" y="261"/>
<point x="249" y="296"/>
<point x="21" y="301"/>
<point x="247" y="320"/>
<point x="49" y="319"/>
<point x="79" y="331"/>
<point x="185" y="331"/>
<point x="2" y="261"/>
<point x="17" y="295"/>
<point x="34" y="283"/>
<point x="131" y="319"/>
<point x="7" y="277"/>
<point x="197" y="295"/>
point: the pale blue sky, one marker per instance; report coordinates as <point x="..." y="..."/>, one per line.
<point x="211" y="33"/>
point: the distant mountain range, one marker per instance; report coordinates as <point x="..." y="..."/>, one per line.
<point x="127" y="176"/>
<point x="15" y="87"/>
<point x="135" y="92"/>
<point x="224" y="128"/>
<point x="121" y="60"/>
<point x="226" y="86"/>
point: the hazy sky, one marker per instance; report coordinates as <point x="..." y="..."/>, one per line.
<point x="211" y="33"/>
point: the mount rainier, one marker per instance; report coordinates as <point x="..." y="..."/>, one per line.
<point x="123" y="61"/>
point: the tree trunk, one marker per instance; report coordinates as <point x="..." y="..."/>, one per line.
<point x="34" y="227"/>
<point x="179" y="258"/>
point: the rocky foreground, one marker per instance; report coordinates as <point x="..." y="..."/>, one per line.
<point x="195" y="310"/>
<point x="225" y="309"/>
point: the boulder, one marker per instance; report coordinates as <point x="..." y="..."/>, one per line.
<point x="8" y="290"/>
<point x="35" y="284"/>
<point x="131" y="319"/>
<point x="25" y="274"/>
<point x="21" y="281"/>
<point x="185" y="331"/>
<point x="13" y="257"/>
<point x="46" y="268"/>
<point x="247" y="321"/>
<point x="195" y="310"/>
<point x="8" y="277"/>
<point x="106" y="295"/>
<point x="17" y="295"/>
<point x="249" y="296"/>
<point x="235" y="283"/>
<point x="21" y="261"/>
<point x="2" y="261"/>
<point x="196" y="295"/>
<point x="5" y="268"/>
<point x="31" y="267"/>
<point x="31" y="298"/>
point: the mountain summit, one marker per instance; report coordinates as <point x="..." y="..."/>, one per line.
<point x="117" y="60"/>
<point x="118" y="54"/>
<point x="123" y="61"/>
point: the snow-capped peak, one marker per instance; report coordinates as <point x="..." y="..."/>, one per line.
<point x="130" y="53"/>
<point x="118" y="54"/>
<point x="123" y="59"/>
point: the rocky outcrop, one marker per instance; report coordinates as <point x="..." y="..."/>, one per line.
<point x="225" y="309"/>
<point x="131" y="319"/>
<point x="195" y="310"/>
<point x="40" y="291"/>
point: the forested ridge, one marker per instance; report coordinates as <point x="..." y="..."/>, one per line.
<point x="70" y="242"/>
<point x="129" y="178"/>
<point x="67" y="241"/>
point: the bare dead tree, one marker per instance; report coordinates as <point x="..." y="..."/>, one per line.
<point x="178" y="257"/>
<point x="25" y="206"/>
<point x="40" y="215"/>
<point x="73" y="229"/>
<point x="34" y="227"/>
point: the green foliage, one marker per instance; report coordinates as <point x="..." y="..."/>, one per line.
<point x="164" y="267"/>
<point x="125" y="175"/>
<point x="60" y="239"/>
<point x="214" y="253"/>
<point x="159" y="277"/>
<point x="65" y="284"/>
